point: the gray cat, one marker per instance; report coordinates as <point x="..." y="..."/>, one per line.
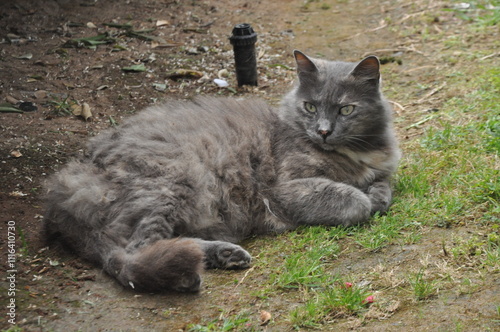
<point x="168" y="193"/>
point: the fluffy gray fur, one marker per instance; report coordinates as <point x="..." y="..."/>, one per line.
<point x="170" y="191"/>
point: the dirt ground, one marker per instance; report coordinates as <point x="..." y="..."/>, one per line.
<point x="175" y="49"/>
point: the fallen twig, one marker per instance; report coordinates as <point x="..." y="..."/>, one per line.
<point x="432" y="92"/>
<point x="397" y="104"/>
<point x="490" y="56"/>
<point x="421" y="122"/>
<point x="246" y="274"/>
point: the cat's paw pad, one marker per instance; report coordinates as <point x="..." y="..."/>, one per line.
<point x="236" y="258"/>
<point x="228" y="256"/>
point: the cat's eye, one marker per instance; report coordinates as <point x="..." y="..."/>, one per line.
<point x="311" y="108"/>
<point x="346" y="110"/>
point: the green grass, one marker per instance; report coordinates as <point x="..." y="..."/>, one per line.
<point x="24" y="242"/>
<point x="479" y="12"/>
<point x="341" y="299"/>
<point x="481" y="252"/>
<point x="222" y="324"/>
<point x="62" y="107"/>
<point x="305" y="267"/>
<point x="422" y="287"/>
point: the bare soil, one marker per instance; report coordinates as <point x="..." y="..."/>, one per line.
<point x="39" y="64"/>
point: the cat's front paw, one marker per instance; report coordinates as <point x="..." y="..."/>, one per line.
<point x="380" y="195"/>
<point x="225" y="255"/>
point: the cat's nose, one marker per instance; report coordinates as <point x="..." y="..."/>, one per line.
<point x="324" y="133"/>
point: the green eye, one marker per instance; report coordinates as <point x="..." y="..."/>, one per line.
<point x="309" y="107"/>
<point x="346" y="110"/>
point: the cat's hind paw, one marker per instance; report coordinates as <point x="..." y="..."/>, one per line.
<point x="173" y="264"/>
<point x="188" y="283"/>
<point x="225" y="255"/>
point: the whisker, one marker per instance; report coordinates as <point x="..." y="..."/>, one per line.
<point x="359" y="142"/>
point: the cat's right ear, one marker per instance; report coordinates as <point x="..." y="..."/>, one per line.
<point x="304" y="64"/>
<point x="306" y="69"/>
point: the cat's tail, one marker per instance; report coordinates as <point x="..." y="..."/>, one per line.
<point x="173" y="264"/>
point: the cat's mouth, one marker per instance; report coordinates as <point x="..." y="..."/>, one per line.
<point x="324" y="143"/>
<point x="327" y="147"/>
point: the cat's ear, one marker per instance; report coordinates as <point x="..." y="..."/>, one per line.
<point x="304" y="64"/>
<point x="368" y="69"/>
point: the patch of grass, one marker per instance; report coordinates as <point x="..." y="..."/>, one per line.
<point x="302" y="269"/>
<point x="480" y="12"/>
<point x="384" y="230"/>
<point x="422" y="287"/>
<point x="14" y="329"/>
<point x="305" y="268"/>
<point x="341" y="299"/>
<point x="410" y="237"/>
<point x="236" y="322"/>
<point x="24" y="241"/>
<point x="479" y="252"/>
<point x="308" y="315"/>
<point x="453" y="177"/>
<point x="62" y="107"/>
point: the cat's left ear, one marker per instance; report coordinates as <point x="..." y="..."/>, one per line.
<point x="368" y="69"/>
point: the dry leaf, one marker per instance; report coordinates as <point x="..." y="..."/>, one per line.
<point x="76" y="109"/>
<point x="17" y="193"/>
<point x="16" y="153"/>
<point x="26" y="56"/>
<point x="265" y="317"/>
<point x="135" y="68"/>
<point x="160" y="23"/>
<point x="393" y="306"/>
<point x="184" y="73"/>
<point x="11" y="100"/>
<point x="86" y="113"/>
<point x="83" y="111"/>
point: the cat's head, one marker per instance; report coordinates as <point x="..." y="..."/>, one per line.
<point x="338" y="105"/>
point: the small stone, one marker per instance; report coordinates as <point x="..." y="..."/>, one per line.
<point x="40" y="94"/>
<point x="16" y="154"/>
